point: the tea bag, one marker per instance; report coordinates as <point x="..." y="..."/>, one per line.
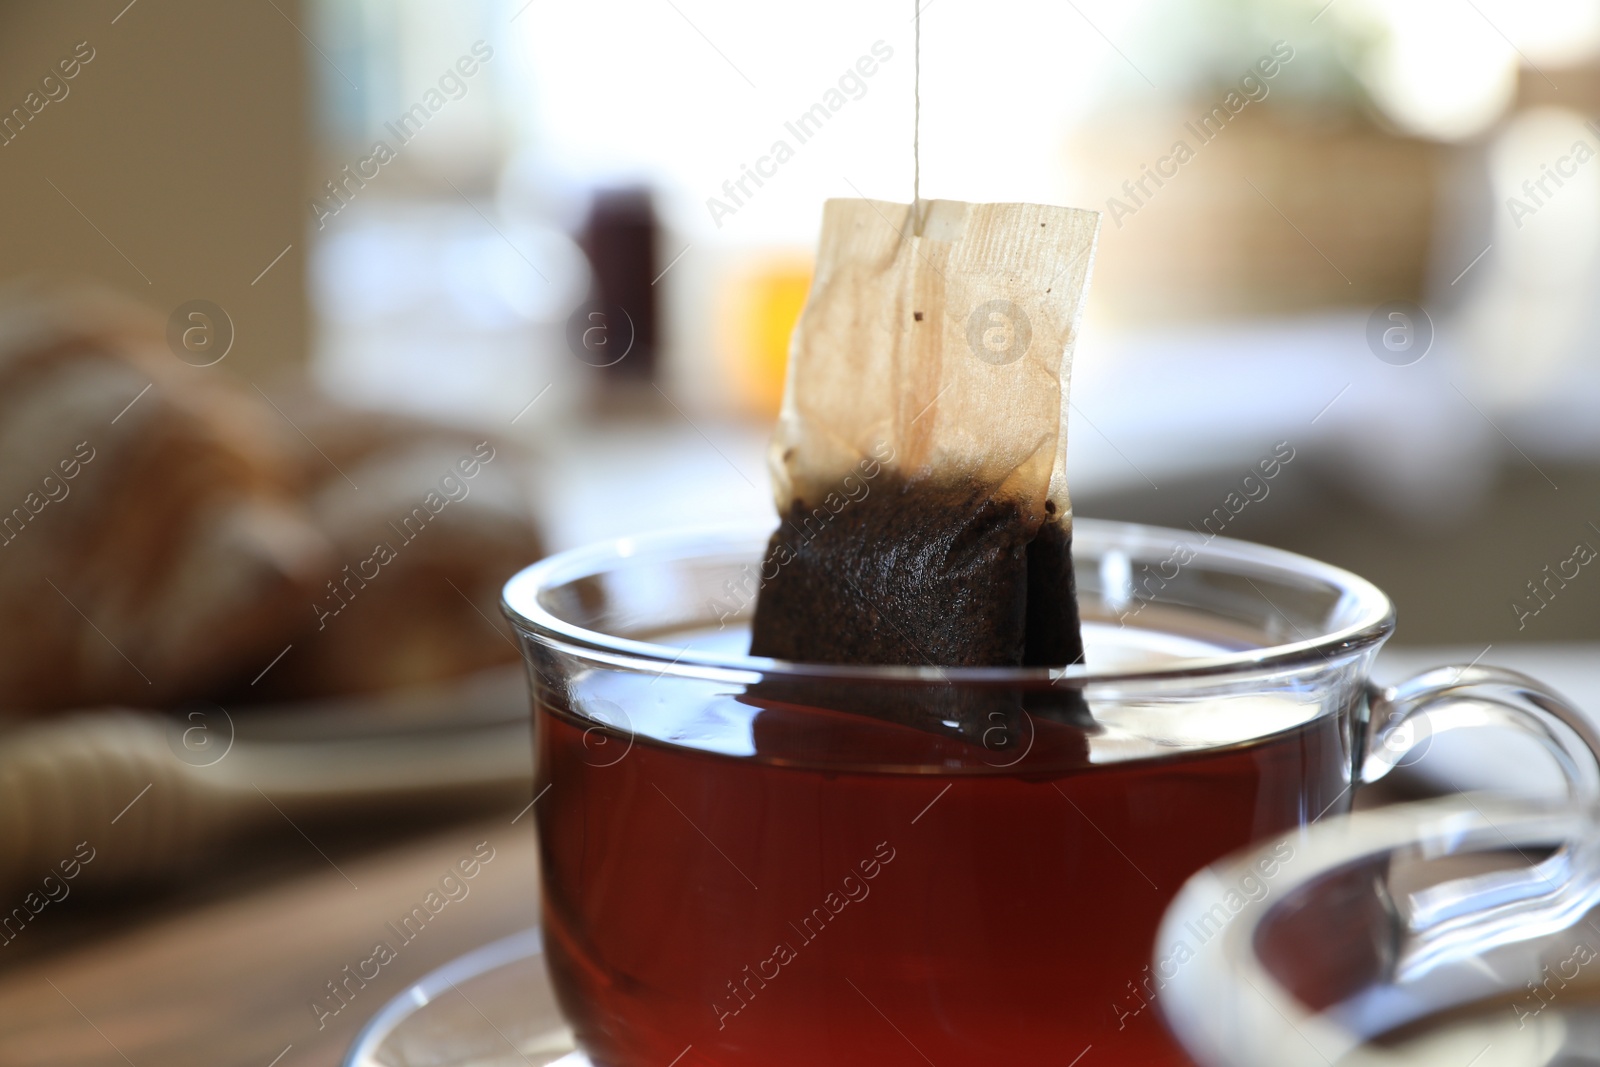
<point x="919" y="461"/>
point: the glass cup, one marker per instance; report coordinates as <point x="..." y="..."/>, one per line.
<point x="748" y="861"/>
<point x="1439" y="934"/>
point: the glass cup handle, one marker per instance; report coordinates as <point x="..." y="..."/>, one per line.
<point x="1456" y="919"/>
<point x="1453" y="698"/>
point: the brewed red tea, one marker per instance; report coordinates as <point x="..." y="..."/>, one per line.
<point x="736" y="878"/>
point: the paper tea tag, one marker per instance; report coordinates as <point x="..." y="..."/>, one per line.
<point x="950" y="350"/>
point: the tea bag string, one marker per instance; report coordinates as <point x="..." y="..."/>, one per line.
<point x="916" y="119"/>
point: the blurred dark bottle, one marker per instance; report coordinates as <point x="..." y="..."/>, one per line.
<point x="620" y="237"/>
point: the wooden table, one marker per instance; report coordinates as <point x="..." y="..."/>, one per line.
<point x="205" y="974"/>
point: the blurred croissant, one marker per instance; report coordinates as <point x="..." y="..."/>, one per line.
<point x="168" y="534"/>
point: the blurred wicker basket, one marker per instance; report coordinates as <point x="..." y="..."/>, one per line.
<point x="1276" y="213"/>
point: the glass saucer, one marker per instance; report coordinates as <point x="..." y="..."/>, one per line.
<point x="492" y="1007"/>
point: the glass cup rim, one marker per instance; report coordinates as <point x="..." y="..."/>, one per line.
<point x="1372" y="622"/>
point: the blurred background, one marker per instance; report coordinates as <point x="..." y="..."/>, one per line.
<point x="306" y="260"/>
<point x="1404" y="151"/>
